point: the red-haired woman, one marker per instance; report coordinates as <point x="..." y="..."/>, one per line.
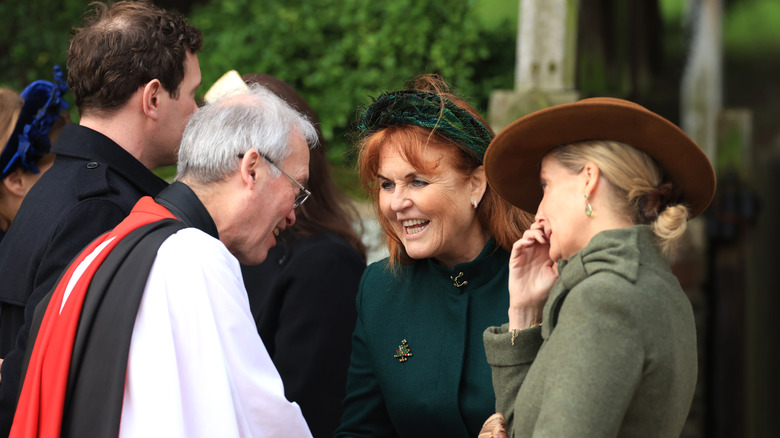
<point x="418" y="363"/>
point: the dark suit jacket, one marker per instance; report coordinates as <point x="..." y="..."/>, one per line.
<point x="303" y="301"/>
<point x="91" y="187"/>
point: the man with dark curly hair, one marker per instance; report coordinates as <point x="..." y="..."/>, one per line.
<point x="133" y="71"/>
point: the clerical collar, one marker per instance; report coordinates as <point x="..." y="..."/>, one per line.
<point x="180" y="200"/>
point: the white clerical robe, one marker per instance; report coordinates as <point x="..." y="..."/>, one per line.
<point x="197" y="367"/>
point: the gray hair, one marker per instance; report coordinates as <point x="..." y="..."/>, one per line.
<point x="217" y="133"/>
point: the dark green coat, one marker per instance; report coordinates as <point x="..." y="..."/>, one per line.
<point x="618" y="348"/>
<point x="444" y="389"/>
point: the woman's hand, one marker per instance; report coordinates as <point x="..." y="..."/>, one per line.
<point x="494" y="427"/>
<point x="531" y="276"/>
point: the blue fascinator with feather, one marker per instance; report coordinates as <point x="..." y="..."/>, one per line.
<point x="43" y="105"/>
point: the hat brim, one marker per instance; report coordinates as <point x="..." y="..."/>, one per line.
<point x="513" y="159"/>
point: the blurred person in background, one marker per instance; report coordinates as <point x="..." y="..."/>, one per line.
<point x="303" y="296"/>
<point x="29" y="124"/>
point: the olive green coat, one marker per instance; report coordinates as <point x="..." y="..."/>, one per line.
<point x="444" y="388"/>
<point x="616" y="354"/>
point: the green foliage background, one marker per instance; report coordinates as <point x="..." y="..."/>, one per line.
<point x="339" y="53"/>
<point x="336" y="53"/>
<point x="34" y="37"/>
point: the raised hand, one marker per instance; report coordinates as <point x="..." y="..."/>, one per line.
<point x="531" y="276"/>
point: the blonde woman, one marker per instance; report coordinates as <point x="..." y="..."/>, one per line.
<point x="601" y="338"/>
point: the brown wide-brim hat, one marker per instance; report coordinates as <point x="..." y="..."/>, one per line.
<point x="513" y="159"/>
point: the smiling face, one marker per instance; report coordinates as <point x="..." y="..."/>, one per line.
<point x="272" y="203"/>
<point x="562" y="209"/>
<point x="430" y="212"/>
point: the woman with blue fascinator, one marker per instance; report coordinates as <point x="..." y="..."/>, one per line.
<point x="418" y="365"/>
<point x="29" y="125"/>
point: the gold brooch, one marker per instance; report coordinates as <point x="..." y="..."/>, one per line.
<point x="403" y="353"/>
<point x="456" y="281"/>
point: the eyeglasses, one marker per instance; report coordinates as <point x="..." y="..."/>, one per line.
<point x="303" y="193"/>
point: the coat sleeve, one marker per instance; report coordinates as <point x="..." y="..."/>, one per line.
<point x="365" y="411"/>
<point x="510" y="363"/>
<point x="197" y="366"/>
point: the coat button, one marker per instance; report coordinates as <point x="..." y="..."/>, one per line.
<point x="92" y="165"/>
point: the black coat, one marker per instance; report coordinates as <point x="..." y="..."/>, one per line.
<point x="303" y="301"/>
<point x="91" y="187"/>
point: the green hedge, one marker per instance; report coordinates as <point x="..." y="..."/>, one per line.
<point x="338" y="53"/>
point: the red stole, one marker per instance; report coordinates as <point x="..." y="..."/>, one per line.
<point x="41" y="403"/>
